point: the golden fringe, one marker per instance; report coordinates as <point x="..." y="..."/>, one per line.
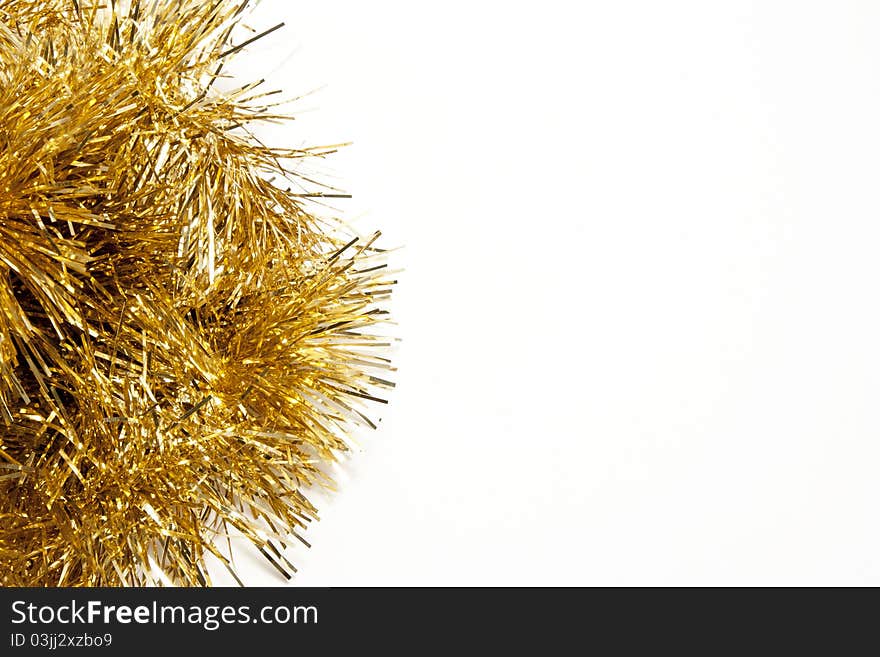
<point x="183" y="346"/>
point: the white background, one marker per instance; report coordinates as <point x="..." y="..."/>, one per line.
<point x="641" y="339"/>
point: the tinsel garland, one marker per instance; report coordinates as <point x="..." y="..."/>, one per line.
<point x="186" y="342"/>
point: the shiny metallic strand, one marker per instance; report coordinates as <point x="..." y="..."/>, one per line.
<point x="184" y="345"/>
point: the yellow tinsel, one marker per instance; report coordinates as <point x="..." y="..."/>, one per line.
<point x="184" y="345"/>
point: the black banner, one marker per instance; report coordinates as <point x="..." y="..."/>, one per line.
<point x="284" y="620"/>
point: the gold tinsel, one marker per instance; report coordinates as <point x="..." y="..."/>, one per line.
<point x="186" y="342"/>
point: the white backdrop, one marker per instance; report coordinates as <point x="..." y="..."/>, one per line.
<point x="639" y="312"/>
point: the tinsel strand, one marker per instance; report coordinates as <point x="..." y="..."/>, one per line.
<point x="186" y="342"/>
